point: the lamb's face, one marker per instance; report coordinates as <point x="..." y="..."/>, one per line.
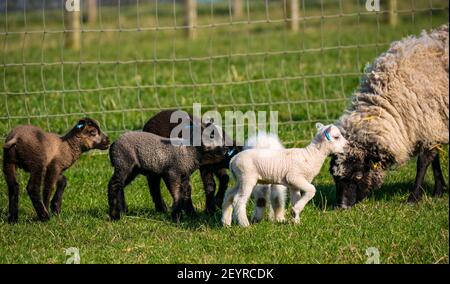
<point x="355" y="176"/>
<point x="213" y="146"/>
<point x="332" y="137"/>
<point x="90" y="134"/>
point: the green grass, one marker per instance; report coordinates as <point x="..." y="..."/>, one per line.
<point x="402" y="233"/>
<point x="305" y="85"/>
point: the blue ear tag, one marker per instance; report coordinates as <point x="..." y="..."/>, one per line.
<point x="327" y="135"/>
<point x="230" y="152"/>
<point x="80" y="125"/>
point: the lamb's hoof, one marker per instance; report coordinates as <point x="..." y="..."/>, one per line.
<point x="176" y="217"/>
<point x="211" y="210"/>
<point x="55" y="209"/>
<point x="12" y="219"/>
<point x="44" y="218"/>
<point x="255" y="220"/>
<point x="114" y="216"/>
<point x="439" y="191"/>
<point x="413" y="198"/>
<point x="245" y="224"/>
<point x="191" y="214"/>
<point x="295" y="220"/>
<point x="161" y="209"/>
<point x="280" y="220"/>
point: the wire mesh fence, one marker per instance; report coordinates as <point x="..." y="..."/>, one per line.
<point x="122" y="61"/>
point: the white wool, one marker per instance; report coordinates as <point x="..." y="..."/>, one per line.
<point x="262" y="193"/>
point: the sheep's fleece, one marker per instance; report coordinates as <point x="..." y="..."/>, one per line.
<point x="275" y="193"/>
<point x="402" y="104"/>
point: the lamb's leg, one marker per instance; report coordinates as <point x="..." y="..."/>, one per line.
<point x="223" y="177"/>
<point x="241" y="199"/>
<point x="154" y="183"/>
<point x="51" y="177"/>
<point x="33" y="190"/>
<point x="299" y="202"/>
<point x="261" y="194"/>
<point x="423" y="161"/>
<point x="187" y="199"/>
<point x="57" y="198"/>
<point x="227" y="206"/>
<point x="209" y="186"/>
<point x="115" y="186"/>
<point x="439" y="181"/>
<point x="173" y="183"/>
<point x="278" y="199"/>
<point x="123" y="203"/>
<point x="9" y="171"/>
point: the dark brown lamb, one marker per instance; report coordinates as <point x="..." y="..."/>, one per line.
<point x="46" y="156"/>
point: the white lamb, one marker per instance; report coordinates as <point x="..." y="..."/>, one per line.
<point x="262" y="193"/>
<point x="294" y="168"/>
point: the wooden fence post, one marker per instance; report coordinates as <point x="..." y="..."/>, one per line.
<point x="92" y="11"/>
<point x="190" y="18"/>
<point x="73" y="24"/>
<point x="238" y="9"/>
<point x="393" y="16"/>
<point x="292" y="15"/>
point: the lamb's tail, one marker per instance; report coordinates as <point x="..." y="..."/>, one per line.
<point x="264" y="140"/>
<point x="10" y="143"/>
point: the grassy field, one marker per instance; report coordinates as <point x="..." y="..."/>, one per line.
<point x="127" y="76"/>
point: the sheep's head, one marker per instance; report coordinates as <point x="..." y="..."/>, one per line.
<point x="356" y="172"/>
<point x="331" y="138"/>
<point x="87" y="132"/>
<point x="213" y="144"/>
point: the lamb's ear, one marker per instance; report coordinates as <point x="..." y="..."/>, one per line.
<point x="81" y="124"/>
<point x="319" y="125"/>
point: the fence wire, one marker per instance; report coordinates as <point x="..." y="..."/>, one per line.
<point x="123" y="61"/>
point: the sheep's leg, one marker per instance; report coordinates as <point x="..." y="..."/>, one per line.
<point x="295" y="196"/>
<point x="227" y="206"/>
<point x="154" y="183"/>
<point x="260" y="194"/>
<point x="209" y="186"/>
<point x="33" y="190"/>
<point x="224" y="179"/>
<point x="115" y="187"/>
<point x="300" y="200"/>
<point x="439" y="181"/>
<point x="173" y="183"/>
<point x="51" y="178"/>
<point x="122" y="202"/>
<point x="9" y="171"/>
<point x="57" y="198"/>
<point x="241" y="199"/>
<point x="278" y="199"/>
<point x="187" y="199"/>
<point x="423" y="161"/>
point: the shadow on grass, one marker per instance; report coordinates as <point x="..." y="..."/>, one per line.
<point x="326" y="193"/>
<point x="201" y="219"/>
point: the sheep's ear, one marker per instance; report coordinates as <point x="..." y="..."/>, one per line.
<point x="81" y="124"/>
<point x="319" y="125"/>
